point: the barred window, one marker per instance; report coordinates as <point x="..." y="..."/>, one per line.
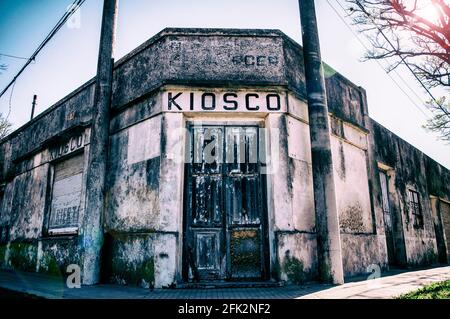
<point x="415" y="208"/>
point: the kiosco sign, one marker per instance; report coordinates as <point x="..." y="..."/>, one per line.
<point x="185" y="101"/>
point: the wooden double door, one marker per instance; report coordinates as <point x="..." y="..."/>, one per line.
<point x="224" y="211"/>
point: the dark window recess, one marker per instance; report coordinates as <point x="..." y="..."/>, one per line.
<point x="66" y="196"/>
<point x="384" y="192"/>
<point x="415" y="208"/>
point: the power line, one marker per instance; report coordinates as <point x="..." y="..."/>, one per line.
<point x="72" y="9"/>
<point x="13" y="56"/>
<point x="379" y="63"/>
<point x="404" y="61"/>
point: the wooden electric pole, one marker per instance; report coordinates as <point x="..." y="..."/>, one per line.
<point x="92" y="230"/>
<point x="33" y="106"/>
<point x="327" y="222"/>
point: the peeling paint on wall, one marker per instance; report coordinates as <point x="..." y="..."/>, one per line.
<point x="144" y="195"/>
<point x="144" y="141"/>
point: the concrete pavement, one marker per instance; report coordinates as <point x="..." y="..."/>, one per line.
<point x="390" y="285"/>
<point x="384" y="287"/>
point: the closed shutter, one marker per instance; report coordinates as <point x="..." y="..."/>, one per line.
<point x="66" y="195"/>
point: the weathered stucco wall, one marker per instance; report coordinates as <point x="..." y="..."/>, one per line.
<point x="410" y="169"/>
<point x="362" y="233"/>
<point x="133" y="178"/>
<point x="290" y="195"/>
<point x="144" y="206"/>
<point x="25" y="211"/>
<point x="144" y="197"/>
<point x="344" y="98"/>
<point x="210" y="57"/>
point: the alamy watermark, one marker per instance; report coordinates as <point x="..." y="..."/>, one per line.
<point x="74" y="278"/>
<point x="375" y="273"/>
<point x="241" y="148"/>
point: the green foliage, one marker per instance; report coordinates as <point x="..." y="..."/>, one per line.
<point x="125" y="272"/>
<point x="328" y="71"/>
<point x="49" y="265"/>
<point x="440" y="122"/>
<point x="23" y="256"/>
<point x="439" y="290"/>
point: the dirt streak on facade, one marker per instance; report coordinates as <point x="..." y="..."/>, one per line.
<point x="210" y="174"/>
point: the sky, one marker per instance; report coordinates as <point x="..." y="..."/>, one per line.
<point x="70" y="58"/>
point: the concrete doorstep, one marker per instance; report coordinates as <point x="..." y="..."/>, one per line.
<point x="389" y="285"/>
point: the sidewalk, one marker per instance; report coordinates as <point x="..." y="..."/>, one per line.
<point x="388" y="286"/>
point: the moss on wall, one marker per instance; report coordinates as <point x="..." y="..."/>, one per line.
<point x="294" y="269"/>
<point x="49" y="265"/>
<point x="3" y="248"/>
<point x="23" y="256"/>
<point x="133" y="273"/>
<point x="128" y="259"/>
<point x="58" y="254"/>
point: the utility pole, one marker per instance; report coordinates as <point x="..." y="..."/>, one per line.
<point x="92" y="230"/>
<point x="327" y="222"/>
<point x="33" y="106"/>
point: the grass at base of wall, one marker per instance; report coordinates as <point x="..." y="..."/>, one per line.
<point x="439" y="290"/>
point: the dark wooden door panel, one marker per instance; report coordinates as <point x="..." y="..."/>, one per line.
<point x="207" y="151"/>
<point x="207" y="253"/>
<point x="242" y="200"/>
<point x="224" y="205"/>
<point x="241" y="150"/>
<point x="207" y="200"/>
<point x="245" y="253"/>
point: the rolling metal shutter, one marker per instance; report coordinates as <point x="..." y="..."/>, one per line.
<point x="66" y="195"/>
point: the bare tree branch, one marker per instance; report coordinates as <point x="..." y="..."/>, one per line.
<point x="411" y="35"/>
<point x="3" y="67"/>
<point x="417" y="32"/>
<point x="5" y="126"/>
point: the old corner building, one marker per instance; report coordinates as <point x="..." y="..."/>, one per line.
<point x="209" y="172"/>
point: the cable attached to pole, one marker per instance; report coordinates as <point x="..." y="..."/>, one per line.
<point x="72" y="9"/>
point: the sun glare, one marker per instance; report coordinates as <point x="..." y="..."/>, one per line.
<point x="429" y="13"/>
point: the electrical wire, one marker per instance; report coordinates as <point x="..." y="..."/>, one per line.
<point x="379" y="63"/>
<point x="406" y="64"/>
<point x="72" y="9"/>
<point x="10" y="100"/>
<point x="13" y="56"/>
<point x="367" y="49"/>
